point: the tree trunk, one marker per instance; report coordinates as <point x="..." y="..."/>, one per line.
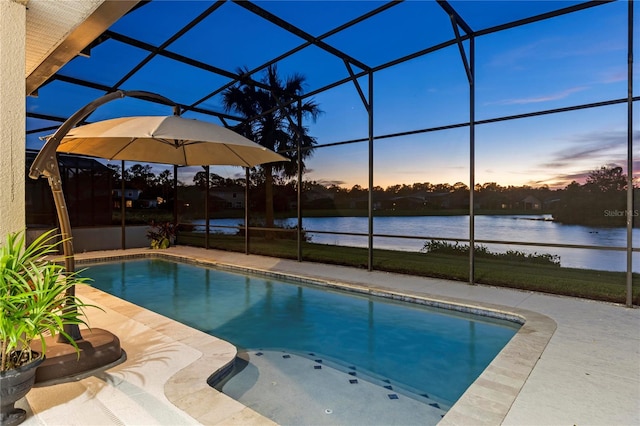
<point x="268" y="205"/>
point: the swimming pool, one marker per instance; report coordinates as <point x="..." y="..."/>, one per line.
<point x="421" y="349"/>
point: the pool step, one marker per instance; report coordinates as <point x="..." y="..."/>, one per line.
<point x="293" y="389"/>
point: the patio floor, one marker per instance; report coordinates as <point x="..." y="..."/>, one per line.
<point x="574" y="362"/>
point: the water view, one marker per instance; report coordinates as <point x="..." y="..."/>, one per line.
<point x="511" y="228"/>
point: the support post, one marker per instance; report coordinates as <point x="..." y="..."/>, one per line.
<point x="123" y="211"/>
<point x="472" y="159"/>
<point x="370" y="231"/>
<point x="175" y="195"/>
<point x="206" y="207"/>
<point x="630" y="189"/>
<point x="246" y="211"/>
<point x="469" y="68"/>
<point x="299" y="195"/>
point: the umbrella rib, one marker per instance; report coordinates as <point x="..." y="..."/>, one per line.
<point x="237" y="155"/>
<point x="225" y="145"/>
<point x="67" y="146"/>
<point x="123" y="148"/>
<point x="184" y="153"/>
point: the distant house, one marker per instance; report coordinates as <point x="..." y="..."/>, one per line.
<point x="438" y="199"/>
<point x="363" y="203"/>
<point x="228" y="198"/>
<point x="406" y="203"/>
<point x="129" y="194"/>
<point x="531" y="203"/>
<point x="148" y="203"/>
<point x="552" y="203"/>
<point x="317" y="198"/>
<point x="130" y="197"/>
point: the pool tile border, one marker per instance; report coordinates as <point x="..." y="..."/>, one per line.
<point x="486" y="401"/>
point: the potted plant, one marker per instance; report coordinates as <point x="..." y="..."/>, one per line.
<point x="34" y="303"/>
<point x="161" y="235"/>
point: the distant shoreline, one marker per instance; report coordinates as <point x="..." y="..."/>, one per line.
<point x="379" y="213"/>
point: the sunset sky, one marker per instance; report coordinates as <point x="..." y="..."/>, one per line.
<point x="569" y="60"/>
<point x="565" y="61"/>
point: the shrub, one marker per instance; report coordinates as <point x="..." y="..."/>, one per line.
<point x="281" y="232"/>
<point x="161" y="235"/>
<point x="444" y="247"/>
<point x="34" y="297"/>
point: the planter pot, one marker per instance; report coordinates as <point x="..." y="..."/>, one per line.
<point x="15" y="384"/>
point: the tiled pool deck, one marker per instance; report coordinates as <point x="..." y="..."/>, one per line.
<point x="574" y="362"/>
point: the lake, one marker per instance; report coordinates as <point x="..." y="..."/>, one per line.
<point x="515" y="228"/>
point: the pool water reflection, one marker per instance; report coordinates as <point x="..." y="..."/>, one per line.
<point x="426" y="350"/>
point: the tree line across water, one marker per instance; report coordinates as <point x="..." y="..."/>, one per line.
<point x="272" y="112"/>
<point x="600" y="201"/>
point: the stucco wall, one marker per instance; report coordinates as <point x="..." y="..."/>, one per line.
<point x="12" y="116"/>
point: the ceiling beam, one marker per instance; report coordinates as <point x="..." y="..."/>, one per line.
<point x="177" y="35"/>
<point x="543" y="16"/>
<point x="446" y="6"/>
<point x="83" y="35"/>
<point x="300" y="33"/>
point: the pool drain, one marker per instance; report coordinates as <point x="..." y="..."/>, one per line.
<point x="328" y="411"/>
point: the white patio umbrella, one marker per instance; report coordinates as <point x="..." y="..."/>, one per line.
<point x="167" y="140"/>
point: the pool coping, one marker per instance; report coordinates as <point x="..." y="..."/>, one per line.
<point x="187" y="389"/>
<point x="487" y="400"/>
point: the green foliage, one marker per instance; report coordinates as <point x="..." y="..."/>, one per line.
<point x="586" y="283"/>
<point x="286" y="232"/>
<point x="269" y="121"/>
<point x="271" y="112"/>
<point x="601" y="201"/>
<point x="443" y="247"/>
<point x="34" y="297"/>
<point x="606" y="179"/>
<point x="161" y="234"/>
<point x="539" y="258"/>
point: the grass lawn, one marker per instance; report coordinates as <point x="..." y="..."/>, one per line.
<point x="589" y="284"/>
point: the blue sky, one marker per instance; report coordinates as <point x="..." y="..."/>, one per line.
<point x="553" y="64"/>
<point x="569" y="60"/>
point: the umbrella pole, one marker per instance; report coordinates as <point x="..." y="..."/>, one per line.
<point x="55" y="182"/>
<point x="99" y="348"/>
<point x="46" y="164"/>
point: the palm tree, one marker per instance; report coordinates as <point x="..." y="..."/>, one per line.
<point x="271" y="110"/>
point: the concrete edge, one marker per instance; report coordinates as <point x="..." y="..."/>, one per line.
<point x="188" y="388"/>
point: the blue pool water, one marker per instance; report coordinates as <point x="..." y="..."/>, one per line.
<point x="426" y="350"/>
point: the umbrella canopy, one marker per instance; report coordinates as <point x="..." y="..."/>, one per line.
<point x="166" y="140"/>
